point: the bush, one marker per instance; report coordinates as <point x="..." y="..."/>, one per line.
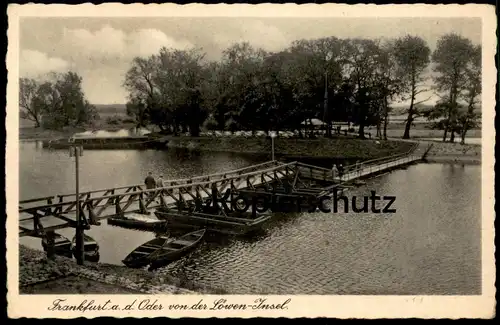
<point x="128" y="120"/>
<point x="113" y="120"/>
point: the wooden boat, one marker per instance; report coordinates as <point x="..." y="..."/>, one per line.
<point x="213" y="223"/>
<point x="62" y="245"/>
<point x="173" y="250"/>
<point x="137" y="224"/>
<point x="140" y="256"/>
<point x="90" y="249"/>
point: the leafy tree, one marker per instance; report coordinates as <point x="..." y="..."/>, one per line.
<point x="28" y="89"/>
<point x="143" y="93"/>
<point x="469" y="117"/>
<point x="60" y="101"/>
<point x="451" y="58"/>
<point x="364" y="70"/>
<point x="413" y="56"/>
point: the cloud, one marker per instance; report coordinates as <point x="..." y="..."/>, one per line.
<point x="105" y="42"/>
<point x="145" y="42"/>
<point x="34" y="64"/>
<point x="257" y="33"/>
<point x="109" y="42"/>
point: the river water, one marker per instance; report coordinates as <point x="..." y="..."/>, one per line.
<point x="430" y="245"/>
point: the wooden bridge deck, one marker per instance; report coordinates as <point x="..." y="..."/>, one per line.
<point x="365" y="170"/>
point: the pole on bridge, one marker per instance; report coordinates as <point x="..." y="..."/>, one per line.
<point x="273" y="135"/>
<point x="77" y="151"/>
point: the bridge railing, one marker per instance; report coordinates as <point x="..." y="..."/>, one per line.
<point x="135" y="193"/>
<point x="139" y="187"/>
<point x="380" y="163"/>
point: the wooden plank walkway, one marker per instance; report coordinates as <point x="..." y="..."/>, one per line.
<point x="367" y="170"/>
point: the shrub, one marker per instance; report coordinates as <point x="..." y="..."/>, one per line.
<point x="113" y="120"/>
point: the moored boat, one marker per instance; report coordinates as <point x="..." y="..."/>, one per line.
<point x="213" y="223"/>
<point x="90" y="249"/>
<point x="62" y="245"/>
<point x="144" y="224"/>
<point x="140" y="256"/>
<point x="175" y="249"/>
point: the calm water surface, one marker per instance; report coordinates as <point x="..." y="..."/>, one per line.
<point x="431" y="245"/>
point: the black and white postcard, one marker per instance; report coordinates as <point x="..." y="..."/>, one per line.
<point x="251" y="161"/>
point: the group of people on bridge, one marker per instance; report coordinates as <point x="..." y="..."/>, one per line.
<point x="339" y="171"/>
<point x="152" y="183"/>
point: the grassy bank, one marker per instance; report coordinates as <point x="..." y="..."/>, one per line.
<point x="39" y="275"/>
<point x="426" y="133"/>
<point x="319" y="148"/>
<point x="454" y="152"/>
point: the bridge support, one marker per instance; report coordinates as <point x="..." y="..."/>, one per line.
<point x="142" y="206"/>
<point x="51" y="250"/>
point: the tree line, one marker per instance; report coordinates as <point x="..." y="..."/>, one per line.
<point x="356" y="81"/>
<point x="350" y="80"/>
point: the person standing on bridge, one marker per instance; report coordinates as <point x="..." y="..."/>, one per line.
<point x="150" y="182"/>
<point x="159" y="182"/>
<point x="335" y="171"/>
<point x="341" y="171"/>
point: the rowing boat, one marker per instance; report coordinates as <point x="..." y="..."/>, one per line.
<point x="62" y="245"/>
<point x="90" y="249"/>
<point x="140" y="256"/>
<point x="174" y="250"/>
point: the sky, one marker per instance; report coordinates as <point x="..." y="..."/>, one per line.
<point x="101" y="49"/>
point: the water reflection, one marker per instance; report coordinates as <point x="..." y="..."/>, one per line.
<point x="431" y="245"/>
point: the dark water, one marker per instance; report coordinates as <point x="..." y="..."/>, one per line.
<point x="431" y="245"/>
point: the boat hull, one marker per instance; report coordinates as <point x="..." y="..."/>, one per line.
<point x="90" y="249"/>
<point x="233" y="226"/>
<point x="62" y="249"/>
<point x="89" y="256"/>
<point x="137" y="224"/>
<point x="145" y="252"/>
<point x="164" y="258"/>
<point x="136" y="263"/>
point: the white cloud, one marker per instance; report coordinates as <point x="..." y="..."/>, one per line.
<point x="33" y="64"/>
<point x="109" y="42"/>
<point x="105" y="42"/>
<point x="145" y="42"/>
<point x="257" y="33"/>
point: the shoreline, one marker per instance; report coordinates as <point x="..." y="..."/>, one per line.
<point x="459" y="159"/>
<point x="38" y="274"/>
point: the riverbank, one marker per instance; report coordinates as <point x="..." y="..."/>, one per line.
<point x="454" y="152"/>
<point x="342" y="148"/>
<point x="40" y="134"/>
<point x="39" y="275"/>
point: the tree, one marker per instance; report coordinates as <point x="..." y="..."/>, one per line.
<point x="179" y="79"/>
<point x="469" y="117"/>
<point x="61" y="101"/>
<point x="137" y="109"/>
<point x="413" y="56"/>
<point x="451" y="58"/>
<point x="365" y="72"/>
<point x="143" y="93"/>
<point x="28" y="89"/>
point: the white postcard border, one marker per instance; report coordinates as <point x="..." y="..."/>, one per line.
<point x="300" y="306"/>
